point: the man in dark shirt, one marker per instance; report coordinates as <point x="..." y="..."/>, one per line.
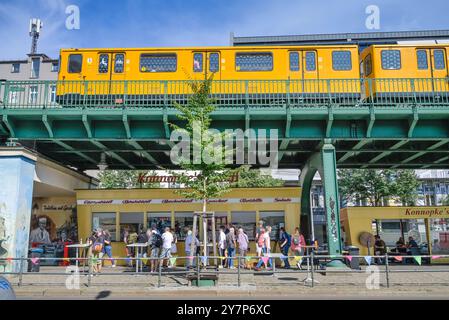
<point x="380" y="248"/>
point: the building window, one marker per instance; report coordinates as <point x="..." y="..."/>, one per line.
<point x="33" y="94"/>
<point x="341" y="60"/>
<point x="275" y="219"/>
<point x="158" y="62"/>
<point x="160" y="220"/>
<point x="368" y="65"/>
<point x="15" y="68"/>
<point x="103" y="63"/>
<point x="421" y="56"/>
<point x="310" y="61"/>
<point x="35" y="67"/>
<point x="438" y="59"/>
<point x="246" y="220"/>
<point x="391" y="59"/>
<point x="54" y="67"/>
<point x="183" y="222"/>
<point x="294" y="61"/>
<point x="105" y="221"/>
<point x="131" y="222"/>
<point x="75" y="63"/>
<point x="119" y="63"/>
<point x="254" y="61"/>
<point x="52" y="96"/>
<point x="214" y="62"/>
<point x="197" y="62"/>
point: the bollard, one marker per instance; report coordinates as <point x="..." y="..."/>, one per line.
<point x="238" y="272"/>
<point x="386" y="271"/>
<point x="159" y="274"/>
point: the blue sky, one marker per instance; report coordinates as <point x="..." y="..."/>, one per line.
<point x="149" y="23"/>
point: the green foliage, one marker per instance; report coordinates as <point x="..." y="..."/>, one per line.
<point x="253" y="178"/>
<point x="375" y="185"/>
<point x="123" y="179"/>
<point x="213" y="177"/>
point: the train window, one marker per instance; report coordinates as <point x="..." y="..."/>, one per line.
<point x="341" y="60"/>
<point x="438" y="59"/>
<point x="197" y="62"/>
<point x="158" y="62"/>
<point x="294" y="61"/>
<point x="75" y="63"/>
<point x="421" y="56"/>
<point x="119" y="63"/>
<point x="310" y="61"/>
<point x="368" y="65"/>
<point x="262" y="61"/>
<point x="391" y="59"/>
<point x="103" y="63"/>
<point x="214" y="62"/>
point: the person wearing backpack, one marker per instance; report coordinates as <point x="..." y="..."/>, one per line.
<point x="97" y="245"/>
<point x="108" y="247"/>
<point x="284" y="243"/>
<point x="297" y="244"/>
<point x="155" y="242"/>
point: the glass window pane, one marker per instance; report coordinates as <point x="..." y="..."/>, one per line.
<point x="221" y="219"/>
<point x="183" y="222"/>
<point x="275" y="219"/>
<point x="310" y="61"/>
<point x="54" y="67"/>
<point x="439" y="235"/>
<point x="254" y="61"/>
<point x="35" y="67"/>
<point x="103" y="63"/>
<point x="421" y="55"/>
<point x="158" y="62"/>
<point x="246" y="220"/>
<point x="294" y="61"/>
<point x="438" y="57"/>
<point x="119" y="63"/>
<point x="75" y="63"/>
<point x="160" y="220"/>
<point x="33" y="94"/>
<point x="197" y="62"/>
<point x="130" y="221"/>
<point x="105" y="221"/>
<point x="214" y="62"/>
<point x="15" y="68"/>
<point x="391" y="59"/>
<point x="341" y="60"/>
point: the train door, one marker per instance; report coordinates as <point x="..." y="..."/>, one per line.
<point x="433" y="68"/>
<point x="206" y="64"/>
<point x="111" y="75"/>
<point x="294" y="72"/>
<point x="309" y="71"/>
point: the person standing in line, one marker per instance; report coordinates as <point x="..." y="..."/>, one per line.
<point x="174" y="248"/>
<point x="190" y="259"/>
<point x="266" y="249"/>
<point x="155" y="242"/>
<point x="222" y="247"/>
<point x="108" y="247"/>
<point x="167" y="241"/>
<point x="257" y="236"/>
<point x="231" y="244"/>
<point x="284" y="243"/>
<point x="243" y="242"/>
<point x="298" y="243"/>
<point x="97" y="246"/>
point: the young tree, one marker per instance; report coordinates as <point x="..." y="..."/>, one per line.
<point x="123" y="179"/>
<point x="405" y="187"/>
<point x="253" y="178"/>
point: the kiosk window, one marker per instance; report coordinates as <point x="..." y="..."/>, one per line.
<point x="130" y="221"/>
<point x="439" y="235"/>
<point x="105" y="221"/>
<point x="183" y="222"/>
<point x="275" y="219"/>
<point x="160" y="220"/>
<point x="246" y="220"/>
<point x="75" y="63"/>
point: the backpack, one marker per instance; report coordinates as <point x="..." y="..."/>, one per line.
<point x="142" y="238"/>
<point x="132" y="238"/>
<point x="156" y="240"/>
<point x="97" y="246"/>
<point x="261" y="240"/>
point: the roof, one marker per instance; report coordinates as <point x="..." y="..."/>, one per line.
<point x="45" y="59"/>
<point x="340" y="38"/>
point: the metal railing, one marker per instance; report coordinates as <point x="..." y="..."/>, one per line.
<point x="226" y="93"/>
<point x="200" y="268"/>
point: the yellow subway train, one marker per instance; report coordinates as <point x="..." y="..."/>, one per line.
<point x="142" y="75"/>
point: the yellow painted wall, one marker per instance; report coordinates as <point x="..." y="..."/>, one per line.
<point x="356" y="220"/>
<point x="292" y="210"/>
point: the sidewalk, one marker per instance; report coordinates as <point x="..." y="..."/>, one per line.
<point x="422" y="284"/>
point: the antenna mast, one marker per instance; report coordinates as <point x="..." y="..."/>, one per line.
<point x="35" y="29"/>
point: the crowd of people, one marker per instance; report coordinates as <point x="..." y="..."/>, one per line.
<point x="159" y="248"/>
<point x="401" y="248"/>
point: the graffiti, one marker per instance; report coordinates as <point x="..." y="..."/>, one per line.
<point x="333" y="220"/>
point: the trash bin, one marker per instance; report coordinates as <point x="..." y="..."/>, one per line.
<point x="34" y="263"/>
<point x="354" y="263"/>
